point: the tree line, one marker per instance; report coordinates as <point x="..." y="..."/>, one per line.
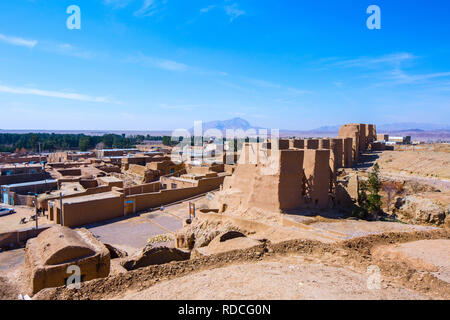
<point x="50" y="142"/>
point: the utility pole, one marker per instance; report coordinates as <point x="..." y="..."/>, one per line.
<point x="61" y="219"/>
<point x="36" y="210"/>
<point x="40" y="160"/>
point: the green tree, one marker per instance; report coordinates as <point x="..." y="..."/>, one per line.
<point x="374" y="187"/>
<point x="167" y="141"/>
<point x="84" y="143"/>
<point x="369" y="198"/>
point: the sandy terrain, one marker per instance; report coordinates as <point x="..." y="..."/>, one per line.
<point x="420" y="162"/>
<point x="284" y="278"/>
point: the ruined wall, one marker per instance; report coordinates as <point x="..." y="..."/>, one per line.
<point x="265" y="189"/>
<point x="290" y="186"/>
<point x="370" y="133"/>
<point x="337" y="153"/>
<point x="283" y="144"/>
<point x="297" y="179"/>
<point x="324" y="143"/>
<point x="362" y="137"/>
<point x="312" y="143"/>
<point x="348" y="156"/>
<point x="317" y="174"/>
<point x="297" y="144"/>
<point x="352" y="131"/>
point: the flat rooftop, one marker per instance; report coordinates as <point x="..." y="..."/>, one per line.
<point x="25" y="184"/>
<point x="92" y="197"/>
<point x="19" y="166"/>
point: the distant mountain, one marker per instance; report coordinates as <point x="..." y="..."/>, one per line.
<point x="234" y="124"/>
<point x="411" y="126"/>
<point x="403" y="126"/>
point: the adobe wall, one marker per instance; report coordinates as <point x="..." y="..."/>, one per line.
<point x="43" y="202"/>
<point x="311" y="143"/>
<point x="81" y="213"/>
<point x="69" y="172"/>
<point x="263" y="191"/>
<point x="290" y="186"/>
<point x="163" y="197"/>
<point x="348" y="157"/>
<point x="266" y="190"/>
<point x="23" y="200"/>
<point x="251" y="153"/>
<point x="352" y="131"/>
<point x="362" y="137"/>
<point x="370" y="133"/>
<point x="24" y="159"/>
<point x="21" y="178"/>
<point x="175" y="183"/>
<point x="317" y="174"/>
<point x="115" y="183"/>
<point x="19" y="237"/>
<point x="297" y="144"/>
<point x="381" y="137"/>
<point x="283" y="144"/>
<point x="324" y="143"/>
<point x="143" y="188"/>
<point x="337" y="153"/>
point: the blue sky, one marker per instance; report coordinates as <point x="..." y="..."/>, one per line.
<point x="162" y="64"/>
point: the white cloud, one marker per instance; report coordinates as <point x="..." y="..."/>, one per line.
<point x="18" y="41"/>
<point x="55" y="94"/>
<point x="233" y="11"/>
<point x="68" y="50"/>
<point x="150" y="7"/>
<point x="153" y="62"/>
<point x="390" y="59"/>
<point x="116" y="4"/>
<point x="208" y="8"/>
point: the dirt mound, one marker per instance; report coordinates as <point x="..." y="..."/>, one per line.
<point x="155" y="256"/>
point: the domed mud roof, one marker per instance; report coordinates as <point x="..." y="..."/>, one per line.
<point x="59" y="245"/>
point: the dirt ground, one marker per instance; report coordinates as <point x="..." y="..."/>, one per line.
<point x="133" y="233"/>
<point x="421" y="162"/>
<point x="12" y="222"/>
<point x="423" y="255"/>
<point x="293" y="277"/>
